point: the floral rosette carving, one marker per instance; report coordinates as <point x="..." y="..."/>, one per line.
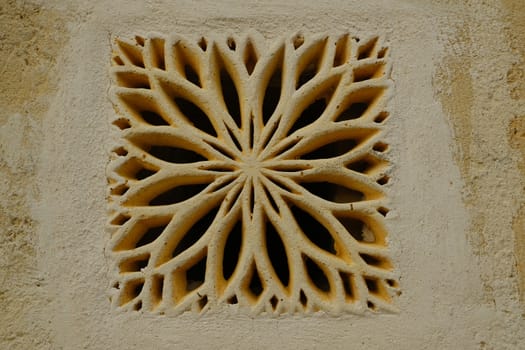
<point x="250" y="174"/>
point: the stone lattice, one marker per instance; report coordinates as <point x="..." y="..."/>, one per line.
<point x="250" y="174"/>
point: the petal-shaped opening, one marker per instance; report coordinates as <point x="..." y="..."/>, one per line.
<point x="223" y="150"/>
<point x="348" y="285"/>
<point x="221" y="183"/>
<point x="380" y="147"/>
<point x="277" y="253"/>
<point x="274" y="301"/>
<point x="117" y="61"/>
<point x="195" y="232"/>
<point x="177" y="194"/>
<point x="298" y="41"/>
<point x="192" y="76"/>
<point x="376" y="288"/>
<point x="367" y="48"/>
<point x="150" y="235"/>
<point x="342" y="51"/>
<point x="136" y="169"/>
<point x="157" y="288"/>
<point x="316" y="274"/>
<point x="140" y="40"/>
<point x="383" y="211"/>
<point x="309" y="115"/>
<point x="233" y="300"/>
<point x="131" y="79"/>
<point x="358" y="229"/>
<point x="134" y="264"/>
<point x="303" y="299"/>
<point x="234" y="139"/>
<point x="255" y="286"/>
<point x="354" y="111"/>
<point x="325" y="143"/>
<point x="131" y="53"/>
<point x="122" y="123"/>
<point x="272" y="95"/>
<point x="272" y="85"/>
<point x="369" y="71"/>
<point x="170" y="189"/>
<point x="231" y="96"/>
<point x="131" y="290"/>
<point x="367" y="165"/>
<point x="175" y="154"/>
<point x="316" y="232"/>
<point x="142" y="233"/>
<point x="195" y="115"/>
<point x="142" y="107"/>
<point x="334" y="192"/>
<point x="170" y="145"/>
<point x="203" y="44"/>
<point x="195" y="275"/>
<point x="232" y="250"/>
<point x="153" y="118"/>
<point x="186" y="62"/>
<point x="250" y="57"/>
<point x="310" y="63"/>
<point x="120" y="219"/>
<point x="233" y="196"/>
<point x="155" y="48"/>
<point x="381" y="117"/>
<point x="144" y="173"/>
<point x="313" y="103"/>
<point x="376" y="260"/>
<point x="251" y="134"/>
<point x="271" y="200"/>
<point x="360" y="103"/>
<point x="332" y="150"/>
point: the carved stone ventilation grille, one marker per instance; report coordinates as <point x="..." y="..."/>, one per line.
<point x="250" y="174"/>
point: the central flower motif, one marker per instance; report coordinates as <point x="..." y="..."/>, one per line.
<point x="250" y="175"/>
<point x="251" y="166"/>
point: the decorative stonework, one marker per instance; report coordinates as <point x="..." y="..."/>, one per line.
<point x="250" y="174"/>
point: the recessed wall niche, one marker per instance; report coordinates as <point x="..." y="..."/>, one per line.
<point x="250" y="174"/>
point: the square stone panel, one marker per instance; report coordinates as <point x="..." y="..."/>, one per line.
<point x="250" y="172"/>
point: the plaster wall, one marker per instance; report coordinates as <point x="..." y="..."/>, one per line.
<point x="457" y="136"/>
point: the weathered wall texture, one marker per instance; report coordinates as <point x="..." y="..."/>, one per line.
<point x="457" y="135"/>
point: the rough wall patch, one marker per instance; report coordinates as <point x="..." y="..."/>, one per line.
<point x="250" y="174"/>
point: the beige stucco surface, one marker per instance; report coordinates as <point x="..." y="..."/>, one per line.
<point x="457" y="136"/>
